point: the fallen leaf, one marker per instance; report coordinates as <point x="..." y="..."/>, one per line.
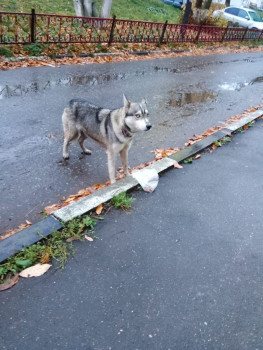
<point x="245" y="127"/>
<point x="214" y="147"/>
<point x="9" y="282"/>
<point x="73" y="238"/>
<point x="45" y="258"/>
<point x="35" y="271"/>
<point x="88" y="238"/>
<point x="177" y="165"/>
<point x="197" y="156"/>
<point x="99" y="209"/>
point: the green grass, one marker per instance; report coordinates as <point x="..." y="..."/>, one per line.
<point x="5" y="52"/>
<point x="122" y="201"/>
<point x="147" y="10"/>
<point x="58" y="246"/>
<point x="54" y="247"/>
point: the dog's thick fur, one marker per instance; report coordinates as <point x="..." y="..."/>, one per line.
<point x="112" y="129"/>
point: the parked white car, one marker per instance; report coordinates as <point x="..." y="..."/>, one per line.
<point x="243" y="17"/>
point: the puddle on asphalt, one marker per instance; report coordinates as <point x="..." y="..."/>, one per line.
<point x="239" y="86"/>
<point x="7" y="91"/>
<point x="233" y="86"/>
<point x="181" y="99"/>
<point x="257" y="80"/>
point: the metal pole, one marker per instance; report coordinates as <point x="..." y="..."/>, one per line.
<point x="244" y="35"/>
<point x="199" y="32"/>
<point x="33" y="25"/>
<point x="112" y="30"/>
<point x="224" y="35"/>
<point x="164" y="29"/>
<point x="260" y="35"/>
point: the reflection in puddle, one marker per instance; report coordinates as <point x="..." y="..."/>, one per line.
<point x="181" y="99"/>
<point x="257" y="80"/>
<point x="239" y="86"/>
<point x="88" y="80"/>
<point x="232" y="86"/>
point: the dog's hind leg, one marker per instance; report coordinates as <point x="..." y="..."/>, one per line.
<point x="70" y="134"/>
<point x="67" y="140"/>
<point x="81" y="139"/>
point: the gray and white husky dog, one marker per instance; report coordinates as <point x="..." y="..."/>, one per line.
<point x="112" y="129"/>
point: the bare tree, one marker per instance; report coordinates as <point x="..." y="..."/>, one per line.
<point x="187" y="12"/>
<point x="88" y="8"/>
<point x="106" y="7"/>
<point x="207" y="4"/>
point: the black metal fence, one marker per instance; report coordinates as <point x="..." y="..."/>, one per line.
<point x="26" y="28"/>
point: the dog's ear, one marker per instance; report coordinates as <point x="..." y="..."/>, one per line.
<point x="126" y="102"/>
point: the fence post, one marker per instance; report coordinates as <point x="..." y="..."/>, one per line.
<point x="225" y="32"/>
<point x="244" y="34"/>
<point x="162" y="35"/>
<point x="260" y="35"/>
<point x="112" y="30"/>
<point x="198" y="34"/>
<point x="33" y="26"/>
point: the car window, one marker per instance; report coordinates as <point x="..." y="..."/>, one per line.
<point x="255" y="17"/>
<point x="232" y="11"/>
<point x="242" y="13"/>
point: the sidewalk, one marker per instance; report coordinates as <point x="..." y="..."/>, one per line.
<point x="182" y="270"/>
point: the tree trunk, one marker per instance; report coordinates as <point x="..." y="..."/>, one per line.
<point x="227" y="3"/>
<point x="95" y="12"/>
<point x="187" y="12"/>
<point x="207" y="4"/>
<point x="106" y="8"/>
<point x="198" y="4"/>
<point x="87" y="8"/>
<point x="78" y="6"/>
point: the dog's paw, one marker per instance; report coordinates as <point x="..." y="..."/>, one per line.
<point x="87" y="151"/>
<point x="65" y="156"/>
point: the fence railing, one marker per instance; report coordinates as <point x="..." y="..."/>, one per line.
<point x="26" y="28"/>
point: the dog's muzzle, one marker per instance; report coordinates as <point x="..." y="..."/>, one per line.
<point x="148" y="126"/>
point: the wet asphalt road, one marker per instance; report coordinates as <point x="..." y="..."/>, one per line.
<point x="186" y="95"/>
<point x="181" y="271"/>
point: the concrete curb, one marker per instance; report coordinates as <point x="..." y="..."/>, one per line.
<point x="28" y="236"/>
<point x="45" y="227"/>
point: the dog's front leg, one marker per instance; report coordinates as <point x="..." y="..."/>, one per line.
<point x="124" y="158"/>
<point x="111" y="165"/>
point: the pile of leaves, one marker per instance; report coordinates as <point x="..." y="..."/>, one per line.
<point x="122" y="52"/>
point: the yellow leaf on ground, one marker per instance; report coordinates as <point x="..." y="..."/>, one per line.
<point x="73" y="238"/>
<point x="45" y="258"/>
<point x="99" y="209"/>
<point x="177" y="165"/>
<point x="88" y="238"/>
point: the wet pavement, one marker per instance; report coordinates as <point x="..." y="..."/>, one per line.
<point x="186" y="95"/>
<point x="181" y="270"/>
